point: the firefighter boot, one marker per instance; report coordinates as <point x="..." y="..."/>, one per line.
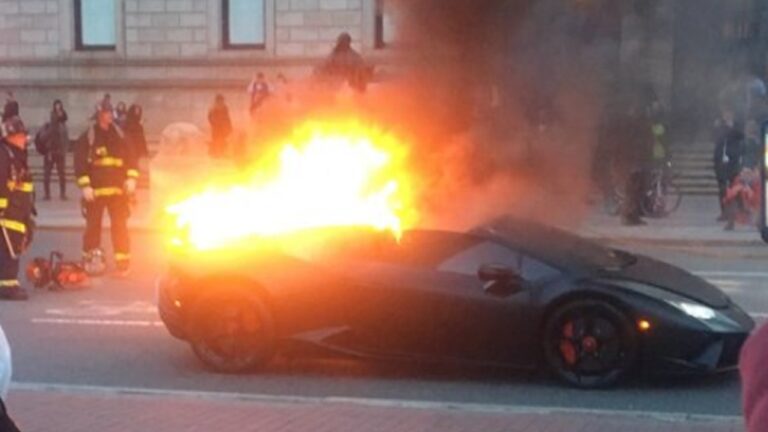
<point x="93" y="262"/>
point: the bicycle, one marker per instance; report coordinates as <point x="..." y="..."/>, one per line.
<point x="662" y="196"/>
<point x="660" y="199"/>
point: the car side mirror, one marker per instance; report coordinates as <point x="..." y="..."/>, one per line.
<point x="500" y="280"/>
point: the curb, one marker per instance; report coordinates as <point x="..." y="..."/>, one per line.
<point x="673" y="242"/>
<point x="80" y="228"/>
<point x="668" y="242"/>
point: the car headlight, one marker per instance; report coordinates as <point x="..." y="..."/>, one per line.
<point x="713" y="319"/>
<point x="695" y="310"/>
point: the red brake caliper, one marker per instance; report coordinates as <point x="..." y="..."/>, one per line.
<point x="567" y="348"/>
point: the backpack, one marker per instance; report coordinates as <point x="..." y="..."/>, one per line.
<point x="41" y="139"/>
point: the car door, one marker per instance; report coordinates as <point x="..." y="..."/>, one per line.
<point x="391" y="294"/>
<point x="424" y="299"/>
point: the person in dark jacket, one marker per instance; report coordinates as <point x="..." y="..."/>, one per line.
<point x="221" y="127"/>
<point x="754" y="378"/>
<point x="134" y="131"/>
<point x="16" y="207"/>
<point x="11" y="108"/>
<point x="106" y="171"/>
<point x="728" y="138"/>
<point x="633" y="160"/>
<point x="347" y="64"/>
<point x="58" y="141"/>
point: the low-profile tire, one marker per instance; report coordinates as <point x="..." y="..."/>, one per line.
<point x="590" y="344"/>
<point x="232" y="331"/>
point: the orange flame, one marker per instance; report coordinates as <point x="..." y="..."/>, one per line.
<point x="328" y="174"/>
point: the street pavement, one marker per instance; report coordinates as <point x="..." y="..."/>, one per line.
<point x="99" y="359"/>
<point x="693" y="224"/>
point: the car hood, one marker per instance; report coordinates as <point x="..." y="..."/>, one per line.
<point x="669" y="278"/>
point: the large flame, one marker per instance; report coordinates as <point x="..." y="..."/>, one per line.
<point x="328" y="174"/>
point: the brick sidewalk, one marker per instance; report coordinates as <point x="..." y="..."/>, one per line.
<point x="45" y="411"/>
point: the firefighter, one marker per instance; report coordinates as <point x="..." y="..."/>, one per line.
<point x="16" y="207"/>
<point x="106" y="170"/>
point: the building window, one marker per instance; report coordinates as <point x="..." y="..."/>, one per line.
<point x="95" y="25"/>
<point x="244" y="24"/>
<point x="384" y="25"/>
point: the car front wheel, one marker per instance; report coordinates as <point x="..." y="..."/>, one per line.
<point x="590" y="344"/>
<point x="232" y="331"/>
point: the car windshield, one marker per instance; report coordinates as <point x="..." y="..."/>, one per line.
<point x="557" y="245"/>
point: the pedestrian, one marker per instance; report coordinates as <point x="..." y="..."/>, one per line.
<point x="121" y="115"/>
<point x="742" y="199"/>
<point x="221" y="127"/>
<point x="16" y="207"/>
<point x="728" y="139"/>
<point x="57" y="141"/>
<point x="134" y="132"/>
<point x="754" y="378"/>
<point x="633" y="160"/>
<point x="259" y="91"/>
<point x="106" y="171"/>
<point x="347" y="64"/>
<point x="11" y="108"/>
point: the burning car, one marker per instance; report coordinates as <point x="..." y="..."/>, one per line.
<point x="508" y="293"/>
<point x="319" y="250"/>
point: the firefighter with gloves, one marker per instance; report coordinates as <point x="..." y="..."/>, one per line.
<point x="106" y="171"/>
<point x="16" y="207"/>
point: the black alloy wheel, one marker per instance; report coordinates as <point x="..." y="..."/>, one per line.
<point x="590" y="344"/>
<point x="232" y="332"/>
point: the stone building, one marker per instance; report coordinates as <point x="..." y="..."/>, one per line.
<point x="171" y="56"/>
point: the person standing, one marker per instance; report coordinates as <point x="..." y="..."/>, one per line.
<point x="121" y="115"/>
<point x="134" y="131"/>
<point x="106" y="171"/>
<point x="633" y="160"/>
<point x="221" y="127"/>
<point x="11" y="108"/>
<point x="259" y="91"/>
<point x="58" y="141"/>
<point x="728" y="139"/>
<point x="16" y="207"/>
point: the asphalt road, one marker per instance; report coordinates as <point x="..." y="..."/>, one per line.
<point x="109" y="336"/>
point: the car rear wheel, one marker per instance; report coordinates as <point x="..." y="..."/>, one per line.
<point x="590" y="344"/>
<point x="232" y="332"/>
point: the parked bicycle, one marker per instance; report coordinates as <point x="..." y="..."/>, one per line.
<point x="661" y="198"/>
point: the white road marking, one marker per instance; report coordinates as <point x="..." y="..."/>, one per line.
<point x="98" y="322"/>
<point x="367" y="402"/>
<point x="90" y="308"/>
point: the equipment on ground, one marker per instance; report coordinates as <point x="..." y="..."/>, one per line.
<point x="56" y="274"/>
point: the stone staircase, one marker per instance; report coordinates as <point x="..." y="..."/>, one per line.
<point x="695" y="171"/>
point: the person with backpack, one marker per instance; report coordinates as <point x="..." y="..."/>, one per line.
<point x="107" y="171"/>
<point x="55" y="140"/>
<point x="16" y="207"/>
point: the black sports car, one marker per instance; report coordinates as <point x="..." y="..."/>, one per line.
<point x="508" y="293"/>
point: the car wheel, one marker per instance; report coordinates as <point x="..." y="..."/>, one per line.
<point x="232" y="332"/>
<point x="590" y="344"/>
